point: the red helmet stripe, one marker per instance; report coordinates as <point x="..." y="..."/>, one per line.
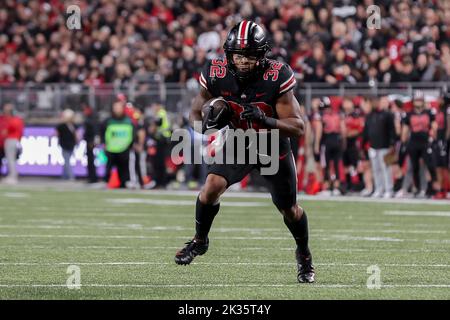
<point x="203" y="81"/>
<point x="243" y="32"/>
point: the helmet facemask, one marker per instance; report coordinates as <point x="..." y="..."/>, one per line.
<point x="249" y="40"/>
<point x="244" y="76"/>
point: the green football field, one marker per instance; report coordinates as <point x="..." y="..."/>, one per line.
<point x="123" y="244"/>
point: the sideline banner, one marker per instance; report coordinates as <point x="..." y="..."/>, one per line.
<point x="41" y="154"/>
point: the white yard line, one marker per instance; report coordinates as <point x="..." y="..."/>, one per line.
<point x="437" y="241"/>
<point x="136" y="227"/>
<point x="210" y="285"/>
<point x="222" y="247"/>
<point x="82" y="236"/>
<point x="178" y="202"/>
<point x="418" y="213"/>
<point x="275" y="219"/>
<point x="380" y="231"/>
<point x="331" y="238"/>
<point x="105" y="226"/>
<point x="266" y="195"/>
<point x="292" y="263"/>
<point x="79" y="187"/>
<point x="349" y="250"/>
<point x="223" y="285"/>
<point x="354" y="238"/>
<point x="15" y="195"/>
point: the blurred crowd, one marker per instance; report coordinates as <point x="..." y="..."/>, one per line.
<point x="121" y="41"/>
<point x="381" y="147"/>
<point x="373" y="146"/>
<point x="377" y="146"/>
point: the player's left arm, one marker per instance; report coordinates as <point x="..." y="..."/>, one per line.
<point x="434" y="125"/>
<point x="344" y="133"/>
<point x="434" y="130"/>
<point x="290" y="121"/>
<point x="405" y="133"/>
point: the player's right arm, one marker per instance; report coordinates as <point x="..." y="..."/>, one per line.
<point x="318" y="128"/>
<point x="405" y="129"/>
<point x="205" y="94"/>
<point x="343" y="132"/>
<point x="434" y="125"/>
<point x="197" y="104"/>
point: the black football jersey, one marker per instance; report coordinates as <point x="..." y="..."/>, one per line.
<point x="331" y="121"/>
<point x="354" y="121"/>
<point x="419" y="124"/>
<point x="262" y="92"/>
<point x="441" y="120"/>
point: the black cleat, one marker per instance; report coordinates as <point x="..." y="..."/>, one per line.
<point x="305" y="267"/>
<point x="193" y="248"/>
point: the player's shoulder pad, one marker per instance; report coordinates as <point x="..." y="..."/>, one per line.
<point x="286" y="79"/>
<point x="212" y="70"/>
<point x="281" y="74"/>
<point x="204" y="75"/>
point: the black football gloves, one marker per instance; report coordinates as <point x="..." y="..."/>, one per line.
<point x="253" y="113"/>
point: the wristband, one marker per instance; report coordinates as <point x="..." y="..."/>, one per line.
<point x="270" y="122"/>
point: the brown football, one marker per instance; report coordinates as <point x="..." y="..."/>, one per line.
<point x="216" y="114"/>
<point x="218" y="105"/>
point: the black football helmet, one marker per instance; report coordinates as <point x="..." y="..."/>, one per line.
<point x="248" y="39"/>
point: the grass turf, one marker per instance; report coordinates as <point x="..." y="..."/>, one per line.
<point x="124" y="244"/>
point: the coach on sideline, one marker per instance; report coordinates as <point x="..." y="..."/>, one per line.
<point x="379" y="131"/>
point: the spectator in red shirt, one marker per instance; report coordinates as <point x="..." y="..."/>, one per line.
<point x="12" y="134"/>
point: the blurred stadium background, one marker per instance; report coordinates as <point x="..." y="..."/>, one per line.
<point x="151" y="52"/>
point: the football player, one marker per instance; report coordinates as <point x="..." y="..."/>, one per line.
<point x="418" y="133"/>
<point x="330" y="134"/>
<point x="440" y="149"/>
<point x="259" y="92"/>
<point x="354" y="124"/>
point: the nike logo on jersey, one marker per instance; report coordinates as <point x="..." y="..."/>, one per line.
<point x="209" y="127"/>
<point x="260" y="94"/>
